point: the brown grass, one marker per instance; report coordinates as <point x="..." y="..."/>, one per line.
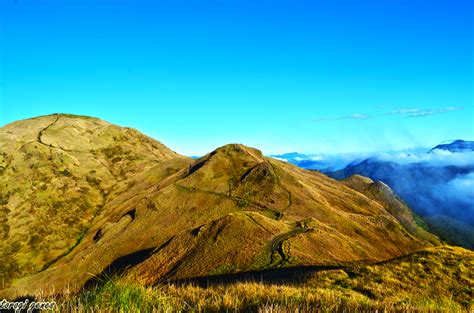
<point x="433" y="280"/>
<point x="248" y="206"/>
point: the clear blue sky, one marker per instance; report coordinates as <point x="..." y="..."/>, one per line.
<point x="308" y="76"/>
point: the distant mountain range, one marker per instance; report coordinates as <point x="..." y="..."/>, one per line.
<point x="439" y="185"/>
<point x="319" y="162"/>
<point x="456" y="146"/>
<point x="334" y="162"/>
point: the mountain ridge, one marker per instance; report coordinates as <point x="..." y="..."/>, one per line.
<point x="163" y="208"/>
<point x="435" y="183"/>
<point x="62" y="168"/>
<point x="432" y="197"/>
<point x="457" y="146"/>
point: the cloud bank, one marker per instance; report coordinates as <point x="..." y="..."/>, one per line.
<point x="436" y="158"/>
<point x="439" y="183"/>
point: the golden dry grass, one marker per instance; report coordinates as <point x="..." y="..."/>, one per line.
<point x="433" y="280"/>
<point x="56" y="174"/>
<point x="232" y="210"/>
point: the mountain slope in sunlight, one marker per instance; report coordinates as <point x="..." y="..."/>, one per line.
<point x="56" y="174"/>
<point x="159" y="216"/>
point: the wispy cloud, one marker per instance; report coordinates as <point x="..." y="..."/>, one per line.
<point x="423" y="113"/>
<point x="355" y="116"/>
<point x="405" y="112"/>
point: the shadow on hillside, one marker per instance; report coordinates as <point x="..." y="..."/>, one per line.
<point x="283" y="275"/>
<point x="118" y="266"/>
<point x="286" y="275"/>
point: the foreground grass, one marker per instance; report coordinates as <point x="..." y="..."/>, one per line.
<point x="247" y="296"/>
<point x="437" y="279"/>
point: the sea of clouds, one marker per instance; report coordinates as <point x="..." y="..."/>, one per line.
<point x="439" y="182"/>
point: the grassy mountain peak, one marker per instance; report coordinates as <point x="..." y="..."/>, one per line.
<point x="56" y="173"/>
<point x="107" y="199"/>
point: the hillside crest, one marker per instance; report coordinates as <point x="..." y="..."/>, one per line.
<point x="101" y="198"/>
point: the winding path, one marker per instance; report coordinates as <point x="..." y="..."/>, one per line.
<point x="277" y="253"/>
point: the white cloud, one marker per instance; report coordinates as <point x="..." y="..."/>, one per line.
<point x="436" y="158"/>
<point x="408" y="112"/>
<point x="463" y="184"/>
<point x="404" y="111"/>
<point x="280" y="159"/>
<point x="428" y="112"/>
<point x="357" y="116"/>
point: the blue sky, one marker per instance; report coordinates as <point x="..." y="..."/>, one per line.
<point x="309" y="76"/>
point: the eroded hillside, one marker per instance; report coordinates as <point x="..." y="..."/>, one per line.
<point x="56" y="174"/>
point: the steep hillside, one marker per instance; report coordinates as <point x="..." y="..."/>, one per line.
<point x="453" y="231"/>
<point x="56" y="174"/>
<point x="434" y="191"/>
<point x="159" y="216"/>
<point x="380" y="192"/>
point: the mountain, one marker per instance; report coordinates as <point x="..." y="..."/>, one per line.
<point x="382" y="193"/>
<point x="456" y="146"/>
<point x="56" y="174"/>
<point x="83" y="198"/>
<point x="324" y="163"/>
<point x="292" y="155"/>
<point x="301" y="160"/>
<point x="333" y="162"/>
<point x="452" y="230"/>
<point x="440" y="192"/>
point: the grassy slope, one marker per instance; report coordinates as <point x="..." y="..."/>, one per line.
<point x="232" y="210"/>
<point x="433" y="280"/>
<point x="147" y="211"/>
<point x="451" y="230"/>
<point x="383" y="194"/>
<point x="56" y="174"/>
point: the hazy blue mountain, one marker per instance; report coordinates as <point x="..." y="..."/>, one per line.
<point x="456" y="146"/>
<point x="334" y="162"/>
<point x="319" y="162"/>
<point x="429" y="190"/>
<point x="437" y="186"/>
<point x="451" y="230"/>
